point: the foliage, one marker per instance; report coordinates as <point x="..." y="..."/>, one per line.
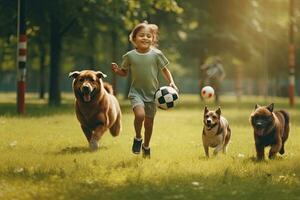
<point x="95" y="33"/>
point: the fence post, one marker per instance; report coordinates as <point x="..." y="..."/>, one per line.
<point x="21" y="57"/>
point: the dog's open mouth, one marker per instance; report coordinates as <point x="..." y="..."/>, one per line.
<point x="86" y="92"/>
<point x="210" y="125"/>
<point x="259" y="131"/>
<point x="87" y="96"/>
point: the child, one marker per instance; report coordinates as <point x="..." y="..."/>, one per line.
<point x="144" y="62"/>
<point x="214" y="74"/>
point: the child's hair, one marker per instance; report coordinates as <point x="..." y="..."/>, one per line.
<point x="153" y="29"/>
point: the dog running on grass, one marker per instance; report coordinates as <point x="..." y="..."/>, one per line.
<point x="216" y="132"/>
<point x="97" y="109"/>
<point x="271" y="128"/>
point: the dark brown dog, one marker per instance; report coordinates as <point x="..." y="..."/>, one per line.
<point x="96" y="108"/>
<point x="271" y="128"/>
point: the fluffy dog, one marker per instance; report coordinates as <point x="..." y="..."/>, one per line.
<point x="97" y="109"/>
<point x="271" y="128"/>
<point x="216" y="132"/>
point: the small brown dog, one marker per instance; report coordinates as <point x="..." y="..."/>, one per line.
<point x="271" y="128"/>
<point x="216" y="132"/>
<point x="97" y="109"/>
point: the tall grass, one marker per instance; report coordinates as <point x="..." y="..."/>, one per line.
<point x="44" y="155"/>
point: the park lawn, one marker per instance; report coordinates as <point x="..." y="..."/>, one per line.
<point x="44" y="155"/>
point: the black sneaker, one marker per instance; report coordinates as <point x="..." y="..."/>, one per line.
<point x="136" y="146"/>
<point x="146" y="152"/>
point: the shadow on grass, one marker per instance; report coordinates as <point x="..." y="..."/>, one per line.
<point x="77" y="150"/>
<point x="35" y="110"/>
<point x="39" y="110"/>
<point x="227" y="186"/>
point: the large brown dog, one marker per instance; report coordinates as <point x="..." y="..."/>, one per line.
<point x="96" y="108"/>
<point x="271" y="128"/>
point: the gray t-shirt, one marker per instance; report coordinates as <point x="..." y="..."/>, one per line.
<point x="144" y="68"/>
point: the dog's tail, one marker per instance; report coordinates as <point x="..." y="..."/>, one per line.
<point x="108" y="87"/>
<point x="287" y="120"/>
<point x="286" y="117"/>
<point x="286" y="129"/>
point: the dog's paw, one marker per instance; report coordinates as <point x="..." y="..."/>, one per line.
<point x="94" y="145"/>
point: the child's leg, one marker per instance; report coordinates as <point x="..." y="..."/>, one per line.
<point x="139" y="116"/>
<point x="150" y="111"/>
<point x="148" y="125"/>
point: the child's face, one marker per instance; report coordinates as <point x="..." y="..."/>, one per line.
<point x="143" y="39"/>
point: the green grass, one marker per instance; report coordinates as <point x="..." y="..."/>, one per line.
<point x="44" y="155"/>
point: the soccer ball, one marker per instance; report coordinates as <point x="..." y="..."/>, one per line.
<point x="166" y="97"/>
<point x="207" y="92"/>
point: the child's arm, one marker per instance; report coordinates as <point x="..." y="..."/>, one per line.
<point x="168" y="76"/>
<point x="115" y="68"/>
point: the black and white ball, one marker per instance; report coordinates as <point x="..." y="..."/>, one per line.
<point x="166" y="97"/>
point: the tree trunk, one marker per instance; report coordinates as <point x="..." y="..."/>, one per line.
<point x="128" y="82"/>
<point x="200" y="75"/>
<point x="42" y="70"/>
<point x="55" y="49"/>
<point x="114" y="58"/>
<point x="238" y="82"/>
<point x="91" y="57"/>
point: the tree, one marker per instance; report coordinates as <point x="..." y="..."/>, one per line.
<point x="56" y="18"/>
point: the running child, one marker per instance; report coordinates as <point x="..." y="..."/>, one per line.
<point x="145" y="63"/>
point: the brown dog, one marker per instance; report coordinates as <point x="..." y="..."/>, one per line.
<point x="216" y="132"/>
<point x="96" y="108"/>
<point x="270" y="129"/>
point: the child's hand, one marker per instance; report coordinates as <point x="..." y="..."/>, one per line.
<point x="174" y="86"/>
<point x="114" y="67"/>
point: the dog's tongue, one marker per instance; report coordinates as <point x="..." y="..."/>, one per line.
<point x="86" y="97"/>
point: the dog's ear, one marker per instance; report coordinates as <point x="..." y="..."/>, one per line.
<point x="257" y="106"/>
<point x="270" y="107"/>
<point x="100" y="74"/>
<point x="205" y="110"/>
<point x="218" y="111"/>
<point x="74" y="74"/>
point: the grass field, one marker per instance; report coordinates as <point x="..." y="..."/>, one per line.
<point x="44" y="155"/>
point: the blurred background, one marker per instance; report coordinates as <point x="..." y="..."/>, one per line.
<point x="251" y="37"/>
